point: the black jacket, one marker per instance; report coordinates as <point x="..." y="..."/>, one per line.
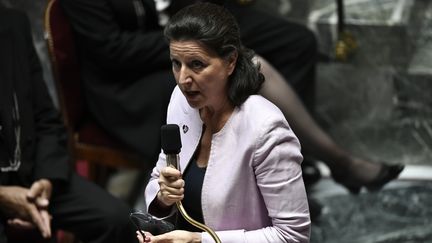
<point x="43" y="138"/>
<point x="126" y="68"/>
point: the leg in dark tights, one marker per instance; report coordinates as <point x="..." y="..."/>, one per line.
<point x="313" y="139"/>
<point x="289" y="55"/>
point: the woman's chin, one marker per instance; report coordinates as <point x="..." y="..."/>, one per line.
<point x="194" y="105"/>
<point x="193" y="101"/>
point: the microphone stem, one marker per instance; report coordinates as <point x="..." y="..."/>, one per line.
<point x="172" y="160"/>
<point x="196" y="223"/>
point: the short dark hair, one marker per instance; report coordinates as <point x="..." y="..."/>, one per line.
<point x="215" y="27"/>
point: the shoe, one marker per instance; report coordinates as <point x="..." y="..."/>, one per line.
<point x="387" y="173"/>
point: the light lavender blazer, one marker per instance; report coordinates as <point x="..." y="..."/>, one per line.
<point x="253" y="189"/>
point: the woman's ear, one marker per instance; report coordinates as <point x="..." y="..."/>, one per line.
<point x="232" y="61"/>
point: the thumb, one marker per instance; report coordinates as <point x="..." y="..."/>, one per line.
<point x="38" y="193"/>
<point x="36" y="190"/>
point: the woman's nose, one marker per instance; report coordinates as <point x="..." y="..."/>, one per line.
<point x="184" y="76"/>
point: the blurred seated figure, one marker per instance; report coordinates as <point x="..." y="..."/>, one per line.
<point x="127" y="74"/>
<point x="38" y="188"/>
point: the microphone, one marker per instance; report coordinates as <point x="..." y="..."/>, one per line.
<point x="171" y="144"/>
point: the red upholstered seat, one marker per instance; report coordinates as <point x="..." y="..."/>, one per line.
<point x="87" y="140"/>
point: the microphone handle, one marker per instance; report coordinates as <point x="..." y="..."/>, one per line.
<point x="172" y="160"/>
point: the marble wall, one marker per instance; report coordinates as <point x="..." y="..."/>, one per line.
<point x="398" y="214"/>
<point x="378" y="102"/>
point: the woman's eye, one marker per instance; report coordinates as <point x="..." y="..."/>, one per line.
<point x="197" y="64"/>
<point x="176" y="64"/>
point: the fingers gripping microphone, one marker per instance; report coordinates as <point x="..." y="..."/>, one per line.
<point x="171" y="145"/>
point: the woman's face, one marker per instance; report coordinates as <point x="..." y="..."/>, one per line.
<point x="201" y="74"/>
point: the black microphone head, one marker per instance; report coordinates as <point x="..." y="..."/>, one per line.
<point x="170" y="139"/>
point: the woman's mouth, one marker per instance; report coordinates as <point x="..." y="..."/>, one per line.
<point x="191" y="94"/>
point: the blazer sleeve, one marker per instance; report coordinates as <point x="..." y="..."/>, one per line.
<point x="52" y="160"/>
<point x="110" y="45"/>
<point x="279" y="178"/>
<point x="278" y="175"/>
<point x="152" y="187"/>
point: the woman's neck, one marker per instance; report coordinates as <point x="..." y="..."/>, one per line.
<point x="215" y="119"/>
